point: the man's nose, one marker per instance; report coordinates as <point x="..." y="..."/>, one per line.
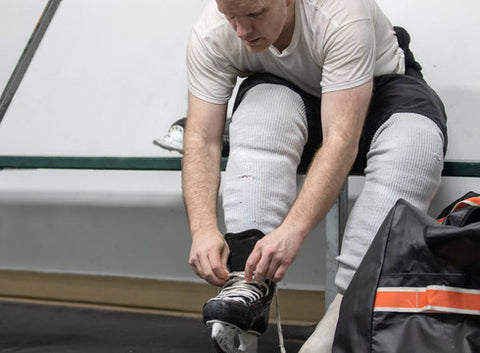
<point x="243" y="27"/>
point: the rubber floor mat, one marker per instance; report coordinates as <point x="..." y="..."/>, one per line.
<point x="38" y="328"/>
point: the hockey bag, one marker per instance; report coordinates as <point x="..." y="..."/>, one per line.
<point x="418" y="286"/>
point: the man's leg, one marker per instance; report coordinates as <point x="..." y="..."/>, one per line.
<point x="405" y="161"/>
<point x="268" y="132"/>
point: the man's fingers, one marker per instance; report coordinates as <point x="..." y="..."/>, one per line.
<point x="214" y="280"/>
<point x="266" y="267"/>
<point x="208" y="258"/>
<point x="251" y="265"/>
<point x="201" y="267"/>
<point x="196" y="265"/>
<point x="279" y="274"/>
<point x="272" y="270"/>
<point x="262" y="264"/>
<point x="218" y="264"/>
<point x="211" y="276"/>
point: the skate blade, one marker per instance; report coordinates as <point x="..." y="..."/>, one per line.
<point x="230" y="339"/>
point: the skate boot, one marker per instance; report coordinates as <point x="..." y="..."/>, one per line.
<point x="240" y="312"/>
<point x="173" y="140"/>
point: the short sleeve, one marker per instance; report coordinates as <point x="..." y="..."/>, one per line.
<point x="210" y="77"/>
<point x="349" y="56"/>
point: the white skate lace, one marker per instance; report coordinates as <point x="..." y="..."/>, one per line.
<point x="238" y="289"/>
<point x="279" y="323"/>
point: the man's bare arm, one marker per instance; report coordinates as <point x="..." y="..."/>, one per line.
<point x="343" y="114"/>
<point x="200" y="184"/>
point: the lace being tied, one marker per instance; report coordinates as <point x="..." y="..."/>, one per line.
<point x="238" y="289"/>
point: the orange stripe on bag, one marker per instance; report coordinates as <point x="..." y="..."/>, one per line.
<point x="472" y="201"/>
<point x="440" y="220"/>
<point x="428" y="299"/>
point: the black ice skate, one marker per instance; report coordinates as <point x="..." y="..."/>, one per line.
<point x="239" y="313"/>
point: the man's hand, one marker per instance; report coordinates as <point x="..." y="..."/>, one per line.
<point x="208" y="258"/>
<point x="343" y="114"/>
<point x="272" y="255"/>
<point x="200" y="183"/>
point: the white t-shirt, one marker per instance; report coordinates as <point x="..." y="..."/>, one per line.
<point x="336" y="44"/>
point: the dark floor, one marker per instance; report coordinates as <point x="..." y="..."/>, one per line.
<point x="34" y="328"/>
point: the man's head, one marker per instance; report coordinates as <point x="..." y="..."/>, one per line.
<point x="260" y="23"/>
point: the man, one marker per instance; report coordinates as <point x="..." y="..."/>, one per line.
<point x="329" y="84"/>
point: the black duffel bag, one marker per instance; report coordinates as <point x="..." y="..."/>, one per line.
<point x="418" y="286"/>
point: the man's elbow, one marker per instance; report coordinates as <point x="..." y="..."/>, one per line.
<point x="344" y="144"/>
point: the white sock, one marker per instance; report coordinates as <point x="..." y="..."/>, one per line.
<point x="405" y="161"/>
<point x="267" y="135"/>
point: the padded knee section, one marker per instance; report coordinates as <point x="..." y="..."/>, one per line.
<point x="268" y="132"/>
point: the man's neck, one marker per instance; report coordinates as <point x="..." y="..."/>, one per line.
<point x="285" y="37"/>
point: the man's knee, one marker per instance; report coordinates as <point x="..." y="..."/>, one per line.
<point x="408" y="139"/>
<point x="406" y="159"/>
<point x="272" y="114"/>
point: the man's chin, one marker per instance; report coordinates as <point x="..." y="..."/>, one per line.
<point x="256" y="46"/>
<point x="256" y="49"/>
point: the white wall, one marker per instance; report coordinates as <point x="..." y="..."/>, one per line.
<point x="107" y="79"/>
<point x="18" y="19"/>
<point x="444" y="40"/>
